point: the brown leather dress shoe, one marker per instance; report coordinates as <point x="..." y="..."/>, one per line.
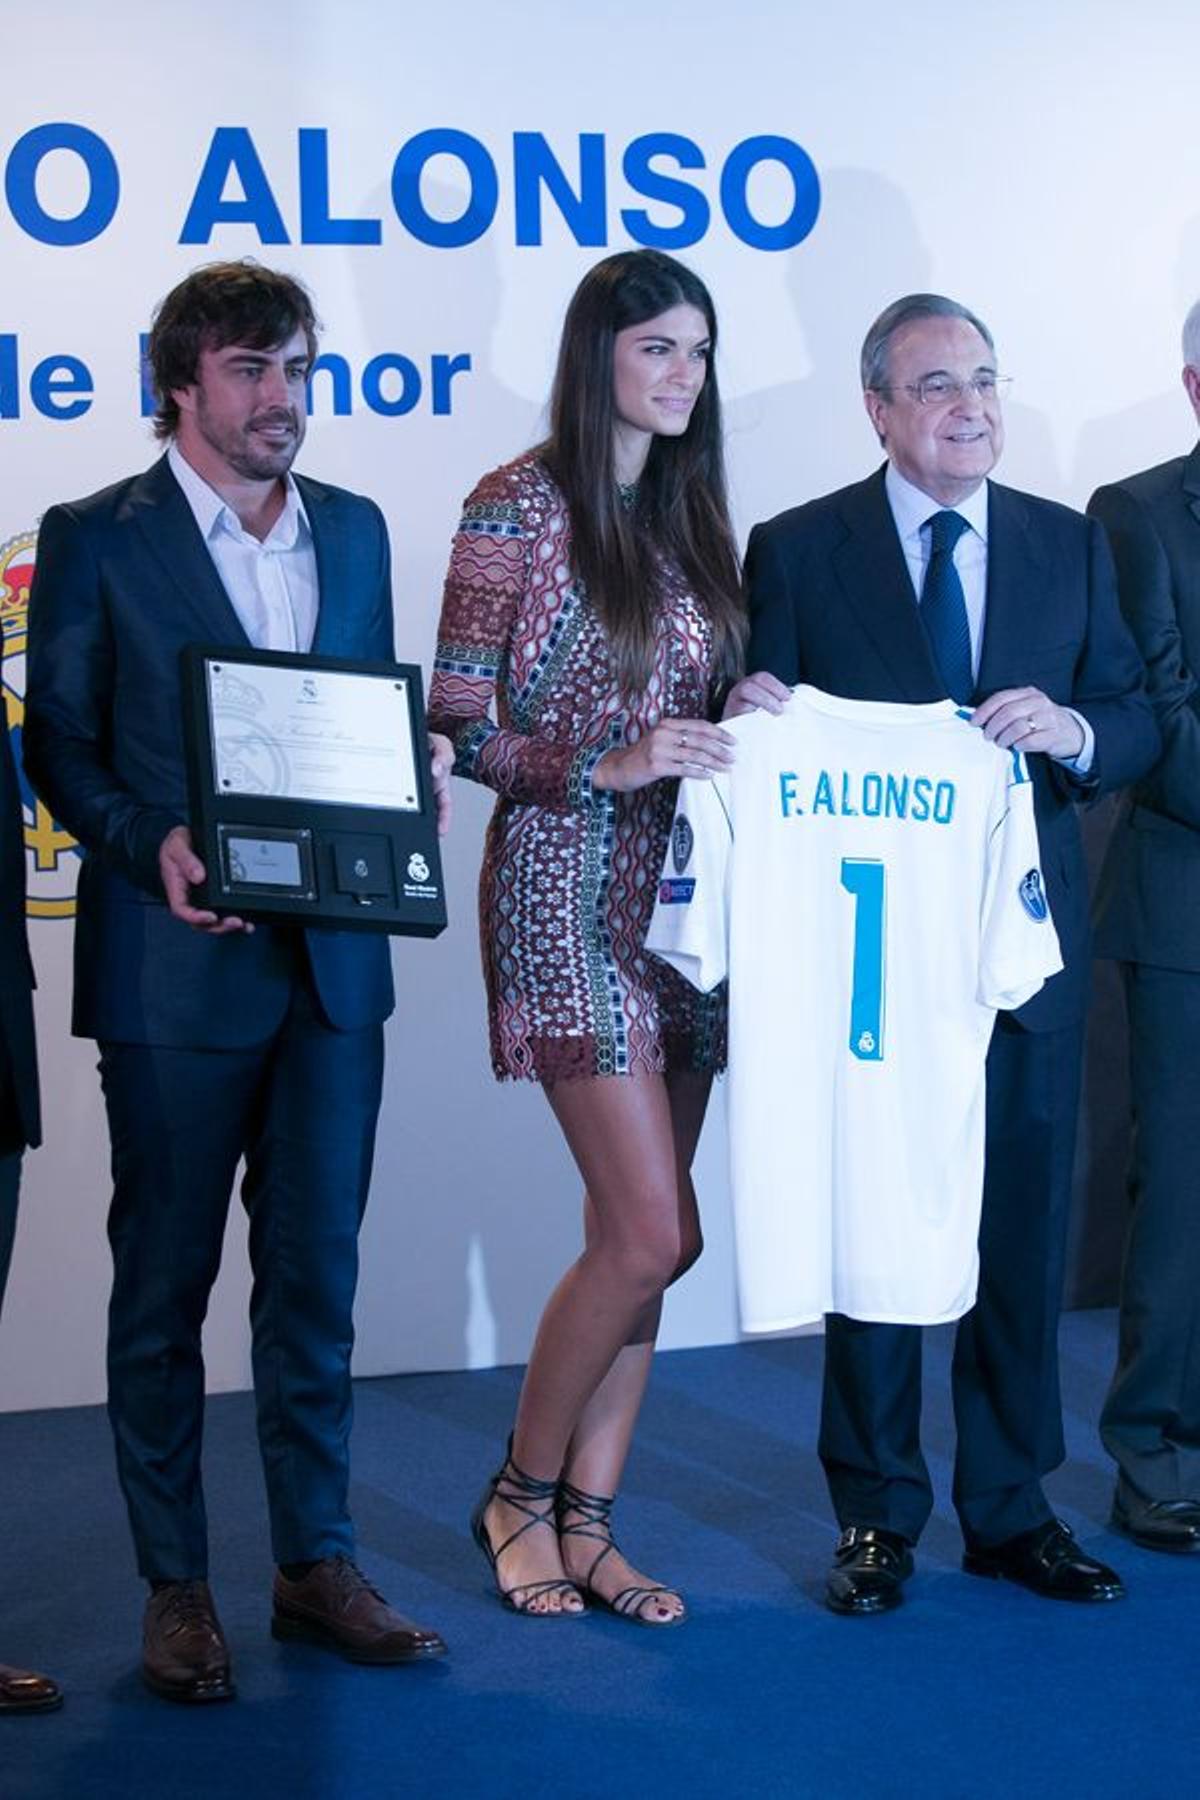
<point x="335" y="1605"/>
<point x="21" y="1691"/>
<point x="184" y="1654"/>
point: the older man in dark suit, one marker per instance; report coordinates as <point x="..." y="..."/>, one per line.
<point x="216" y="1041"/>
<point x="20" y="1127"/>
<point x="923" y="581"/>
<point x="1148" y="917"/>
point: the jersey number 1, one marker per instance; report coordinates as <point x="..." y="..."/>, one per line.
<point x="867" y="881"/>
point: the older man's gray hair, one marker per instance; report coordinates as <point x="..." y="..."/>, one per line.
<point x="873" y="362"/>
<point x="1191" y="338"/>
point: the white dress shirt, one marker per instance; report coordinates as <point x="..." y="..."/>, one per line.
<point x="912" y="510"/>
<point x="272" y="584"/>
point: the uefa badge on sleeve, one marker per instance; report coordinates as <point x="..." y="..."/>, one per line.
<point x="1033" y="896"/>
<point x="682" y="840"/>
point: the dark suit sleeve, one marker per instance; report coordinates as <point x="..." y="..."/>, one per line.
<point x="1149" y="603"/>
<point x="1109" y="685"/>
<point x="773" y="646"/>
<point x="381" y="622"/>
<point x="68" y="708"/>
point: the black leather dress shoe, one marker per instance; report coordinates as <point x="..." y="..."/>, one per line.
<point x="870" y="1567"/>
<point x="336" y="1606"/>
<point x="1157" y="1524"/>
<point x="21" y="1691"/>
<point x="184" y="1655"/>
<point x="1048" y="1561"/>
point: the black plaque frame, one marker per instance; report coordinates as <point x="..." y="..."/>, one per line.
<point x="358" y="868"/>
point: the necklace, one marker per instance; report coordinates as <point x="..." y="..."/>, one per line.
<point x="627" y="493"/>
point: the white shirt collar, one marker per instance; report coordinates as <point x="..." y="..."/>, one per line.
<point x="911" y="506"/>
<point x="213" y="514"/>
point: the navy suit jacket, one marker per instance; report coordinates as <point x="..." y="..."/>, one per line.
<point x="19" y="1121"/>
<point x="832" y="604"/>
<point x="1148" y="902"/>
<point x="123" y="582"/>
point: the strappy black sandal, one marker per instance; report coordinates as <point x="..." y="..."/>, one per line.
<point x="536" y="1499"/>
<point x="593" y="1520"/>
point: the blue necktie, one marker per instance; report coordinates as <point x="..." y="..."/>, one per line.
<point x="944" y="610"/>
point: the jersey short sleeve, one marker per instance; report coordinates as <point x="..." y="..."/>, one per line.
<point x="1019" y="946"/>
<point x="690" y="925"/>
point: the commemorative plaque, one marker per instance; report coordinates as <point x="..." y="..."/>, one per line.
<point x="310" y="788"/>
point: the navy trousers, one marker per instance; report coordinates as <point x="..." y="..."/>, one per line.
<point x="301" y="1108"/>
<point x="1007" y="1405"/>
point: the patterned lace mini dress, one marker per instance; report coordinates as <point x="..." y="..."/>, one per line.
<point x="569" y="873"/>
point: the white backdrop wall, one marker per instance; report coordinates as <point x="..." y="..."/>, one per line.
<point x="1041" y="163"/>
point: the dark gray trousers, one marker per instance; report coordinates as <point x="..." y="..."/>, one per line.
<point x="10" y="1182"/>
<point x="1151" y="1418"/>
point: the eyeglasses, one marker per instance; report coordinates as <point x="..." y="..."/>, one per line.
<point x="941" y="390"/>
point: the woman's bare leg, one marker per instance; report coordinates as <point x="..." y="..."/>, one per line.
<point x="600" y="1442"/>
<point x="633" y="1138"/>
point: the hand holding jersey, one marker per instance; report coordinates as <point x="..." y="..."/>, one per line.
<point x="670" y="749"/>
<point x="1025" y="719"/>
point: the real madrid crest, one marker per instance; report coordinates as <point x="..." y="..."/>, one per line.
<point x="51" y="856"/>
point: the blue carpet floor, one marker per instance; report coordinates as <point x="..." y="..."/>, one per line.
<point x="972" y="1689"/>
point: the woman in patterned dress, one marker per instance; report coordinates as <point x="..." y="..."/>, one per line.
<point x="593" y="596"/>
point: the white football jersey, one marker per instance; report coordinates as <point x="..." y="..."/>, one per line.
<point x="868" y="877"/>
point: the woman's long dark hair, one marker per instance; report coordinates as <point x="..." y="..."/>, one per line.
<point x="681" y="509"/>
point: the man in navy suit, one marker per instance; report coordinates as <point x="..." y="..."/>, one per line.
<point x="218" y="1041"/>
<point x="21" y="1691"/>
<point x="926" y="580"/>
<point x="1148" y="917"/>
